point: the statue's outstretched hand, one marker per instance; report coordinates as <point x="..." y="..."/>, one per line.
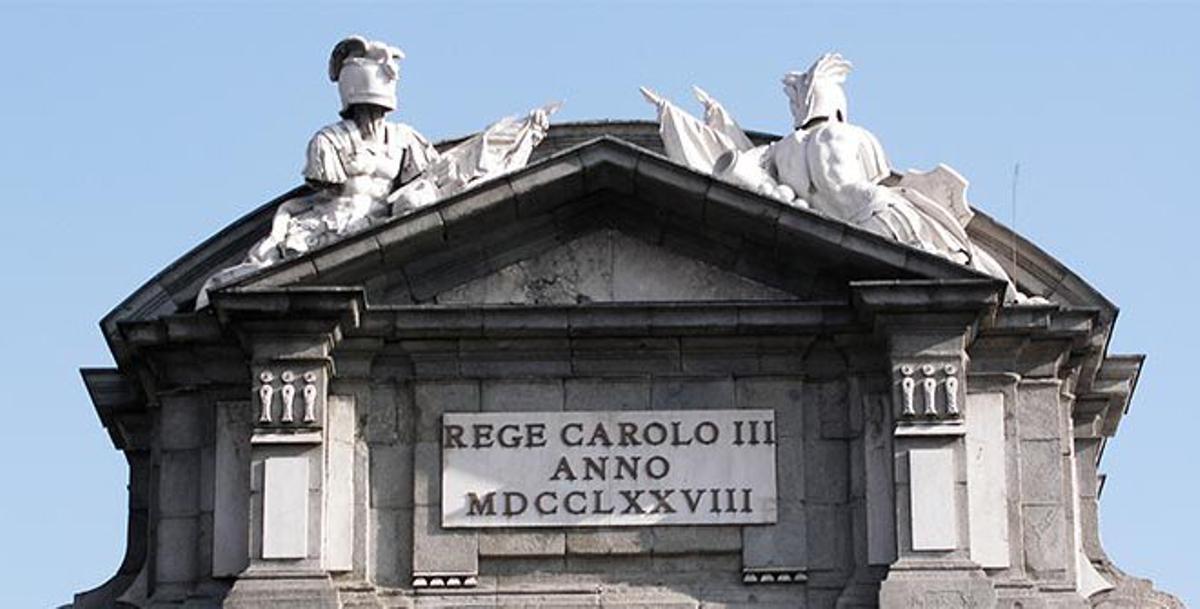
<point x="652" y="97"/>
<point x="705" y="99"/>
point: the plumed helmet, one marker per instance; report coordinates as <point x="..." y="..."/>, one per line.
<point x="818" y="91"/>
<point x="365" y="71"/>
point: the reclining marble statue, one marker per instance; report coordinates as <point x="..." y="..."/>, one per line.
<point x="364" y="168"/>
<point x="831" y="166"/>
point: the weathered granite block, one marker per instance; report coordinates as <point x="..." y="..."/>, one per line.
<point x="723" y="566"/>
<point x="175" y="557"/>
<point x="391" y="473"/>
<point x="827" y="470"/>
<point x="832" y="400"/>
<point x="783" y="544"/>
<point x="432" y="398"/>
<point x="625" y="356"/>
<point x="522" y="396"/>
<point x="782" y="354"/>
<point x="587" y="566"/>
<point x="382" y="414"/>
<point x="526" y="569"/>
<point x="441" y="551"/>
<point x="699" y="393"/>
<point x="790" y="466"/>
<point x="577" y="271"/>
<point x="828" y="537"/>
<point x="204" y="545"/>
<point x="1041" y="471"/>
<point x="1039" y="413"/>
<point x="697" y="540"/>
<point x="390" y="560"/>
<point x="644" y="272"/>
<point x="515" y="358"/>
<point x="631" y="393"/>
<point x="231" y="482"/>
<point x="720" y="355"/>
<point x="496" y="543"/>
<point x="180" y="421"/>
<point x="427" y="473"/>
<point x="950" y="592"/>
<point x="1045" y="541"/>
<point x="782" y="394"/>
<point x="179" y="483"/>
<point x="610" y="541"/>
<point x="208" y="463"/>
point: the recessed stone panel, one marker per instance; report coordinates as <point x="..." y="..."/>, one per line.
<point x="285" y="507"/>
<point x="931" y="484"/>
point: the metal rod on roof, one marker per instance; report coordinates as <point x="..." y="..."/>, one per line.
<point x="1015" y="178"/>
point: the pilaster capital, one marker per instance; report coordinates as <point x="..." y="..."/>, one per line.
<point x="947" y="307"/>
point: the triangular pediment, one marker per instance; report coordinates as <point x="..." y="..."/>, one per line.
<point x="607" y="221"/>
<point x="607" y="265"/>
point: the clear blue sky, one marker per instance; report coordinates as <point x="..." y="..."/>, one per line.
<point x="134" y="131"/>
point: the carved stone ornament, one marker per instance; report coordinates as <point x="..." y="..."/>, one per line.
<point x="831" y="166"/>
<point x="951" y="385"/>
<point x="309" y="394"/>
<point x="929" y="385"/>
<point x="907" y="386"/>
<point x="365" y="169"/>
<point x="288" y="394"/>
<point x="265" y="396"/>
<point x="287" y="388"/>
<point x="929" y="378"/>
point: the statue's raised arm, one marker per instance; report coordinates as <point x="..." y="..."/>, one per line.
<point x="834" y="167"/>
<point x="691" y="141"/>
<point x="716" y="145"/>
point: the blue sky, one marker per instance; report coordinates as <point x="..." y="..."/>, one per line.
<point x="135" y="130"/>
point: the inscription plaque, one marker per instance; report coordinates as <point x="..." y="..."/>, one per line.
<point x="618" y="468"/>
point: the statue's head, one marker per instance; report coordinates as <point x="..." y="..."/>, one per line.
<point x="817" y="92"/>
<point x="366" y="72"/>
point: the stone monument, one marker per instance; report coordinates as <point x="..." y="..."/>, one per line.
<point x="618" y="364"/>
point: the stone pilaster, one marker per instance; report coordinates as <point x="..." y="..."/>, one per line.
<point x="300" y="454"/>
<point x="927" y="327"/>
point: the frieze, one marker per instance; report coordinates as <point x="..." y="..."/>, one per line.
<point x="928" y="392"/>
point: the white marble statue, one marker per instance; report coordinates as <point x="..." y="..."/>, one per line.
<point x="364" y="168"/>
<point x="831" y="166"/>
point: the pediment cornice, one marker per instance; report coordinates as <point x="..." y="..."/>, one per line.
<point x="628" y="186"/>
